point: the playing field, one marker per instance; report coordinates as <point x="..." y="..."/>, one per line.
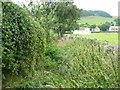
<point x="112" y="38"/>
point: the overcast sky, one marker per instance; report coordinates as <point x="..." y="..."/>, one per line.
<point x="110" y="6"/>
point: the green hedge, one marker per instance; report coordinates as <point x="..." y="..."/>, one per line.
<point x="22" y="39"/>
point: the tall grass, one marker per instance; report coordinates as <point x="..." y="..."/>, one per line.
<point x="84" y="64"/>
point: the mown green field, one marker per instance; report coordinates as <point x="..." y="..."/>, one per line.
<point x="112" y="38"/>
<point x="95" y="20"/>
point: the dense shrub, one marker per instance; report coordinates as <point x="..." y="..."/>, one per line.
<point x="86" y="65"/>
<point x="27" y="47"/>
<point x="53" y="36"/>
<point x="23" y="40"/>
<point x="52" y="57"/>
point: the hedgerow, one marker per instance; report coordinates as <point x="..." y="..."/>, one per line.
<point x="22" y="39"/>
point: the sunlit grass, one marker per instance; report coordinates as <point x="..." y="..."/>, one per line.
<point x="96" y="20"/>
<point x="112" y="38"/>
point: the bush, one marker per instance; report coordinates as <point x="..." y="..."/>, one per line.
<point x="23" y="40"/>
<point x="52" y="57"/>
<point x="53" y="36"/>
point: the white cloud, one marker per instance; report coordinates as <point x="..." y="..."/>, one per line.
<point x="110" y="6"/>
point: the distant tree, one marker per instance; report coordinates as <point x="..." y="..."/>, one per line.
<point x="117" y="20"/>
<point x="102" y="13"/>
<point x="108" y="23"/>
<point x="105" y="26"/>
<point x="87" y="13"/>
<point x="96" y="13"/>
<point x="85" y="25"/>
<point x="92" y="26"/>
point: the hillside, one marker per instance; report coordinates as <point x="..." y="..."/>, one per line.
<point x="95" y="20"/>
<point x="95" y="13"/>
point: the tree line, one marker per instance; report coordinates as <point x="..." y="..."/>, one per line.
<point x="95" y="13"/>
<point x="103" y="27"/>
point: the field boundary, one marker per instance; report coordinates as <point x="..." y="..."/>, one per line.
<point x="113" y="49"/>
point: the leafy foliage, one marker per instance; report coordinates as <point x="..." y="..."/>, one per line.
<point x="26" y="48"/>
<point x="52" y="57"/>
<point x="88" y="25"/>
<point x="23" y="40"/>
<point x="67" y="14"/>
<point x="58" y="16"/>
<point x="105" y="26"/>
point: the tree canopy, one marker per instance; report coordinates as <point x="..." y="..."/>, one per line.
<point x="67" y="14"/>
<point x="58" y="16"/>
<point x="105" y="26"/>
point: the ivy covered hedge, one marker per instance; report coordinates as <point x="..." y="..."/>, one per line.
<point x="22" y="39"/>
